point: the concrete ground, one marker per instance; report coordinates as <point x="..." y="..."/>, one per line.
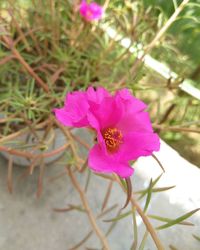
<point x="29" y="223"/>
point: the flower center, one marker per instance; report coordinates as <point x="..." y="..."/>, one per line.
<point x="113" y="138"/>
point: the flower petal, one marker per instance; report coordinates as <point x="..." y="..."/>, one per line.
<point x="97" y="10"/>
<point x="75" y="110"/>
<point x="138" y="144"/>
<point x="108" y="113"/>
<point x="100" y="162"/>
<point x="129" y="101"/>
<point x="63" y="117"/>
<point x="97" y="96"/>
<point x="94" y="123"/>
<point x="135" y="122"/>
<point x="91" y="11"/>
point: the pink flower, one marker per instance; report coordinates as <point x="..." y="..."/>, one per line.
<point x="123" y="128"/>
<point x="74" y="111"/>
<point x="90" y="11"/>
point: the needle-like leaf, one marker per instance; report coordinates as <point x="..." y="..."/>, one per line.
<point x="178" y="220"/>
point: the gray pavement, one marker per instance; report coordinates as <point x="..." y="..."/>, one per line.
<point x="29" y="223"/>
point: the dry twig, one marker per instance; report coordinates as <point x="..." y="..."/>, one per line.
<point x="145" y="219"/>
<point x="91" y="217"/>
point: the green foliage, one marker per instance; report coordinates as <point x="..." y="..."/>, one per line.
<point x="148" y="198"/>
<point x="178" y="220"/>
<point x="196" y="237"/>
<point x="121" y="216"/>
<point x="64" y="51"/>
<point x="183" y="36"/>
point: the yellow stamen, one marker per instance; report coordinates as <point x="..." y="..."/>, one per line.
<point x="113" y="138"/>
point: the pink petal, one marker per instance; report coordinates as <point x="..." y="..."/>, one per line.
<point x="94" y="123"/>
<point x="135" y="122"/>
<point x="67" y="119"/>
<point x="129" y="101"/>
<point x="138" y="144"/>
<point x="63" y="117"/>
<point x="91" y="11"/>
<point x="96" y="9"/>
<point x="97" y="96"/>
<point x="75" y="110"/>
<point x="100" y="162"/>
<point x="108" y="113"/>
<point x="83" y="8"/>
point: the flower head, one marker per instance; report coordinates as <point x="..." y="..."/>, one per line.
<point x="122" y="126"/>
<point x="90" y="11"/>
